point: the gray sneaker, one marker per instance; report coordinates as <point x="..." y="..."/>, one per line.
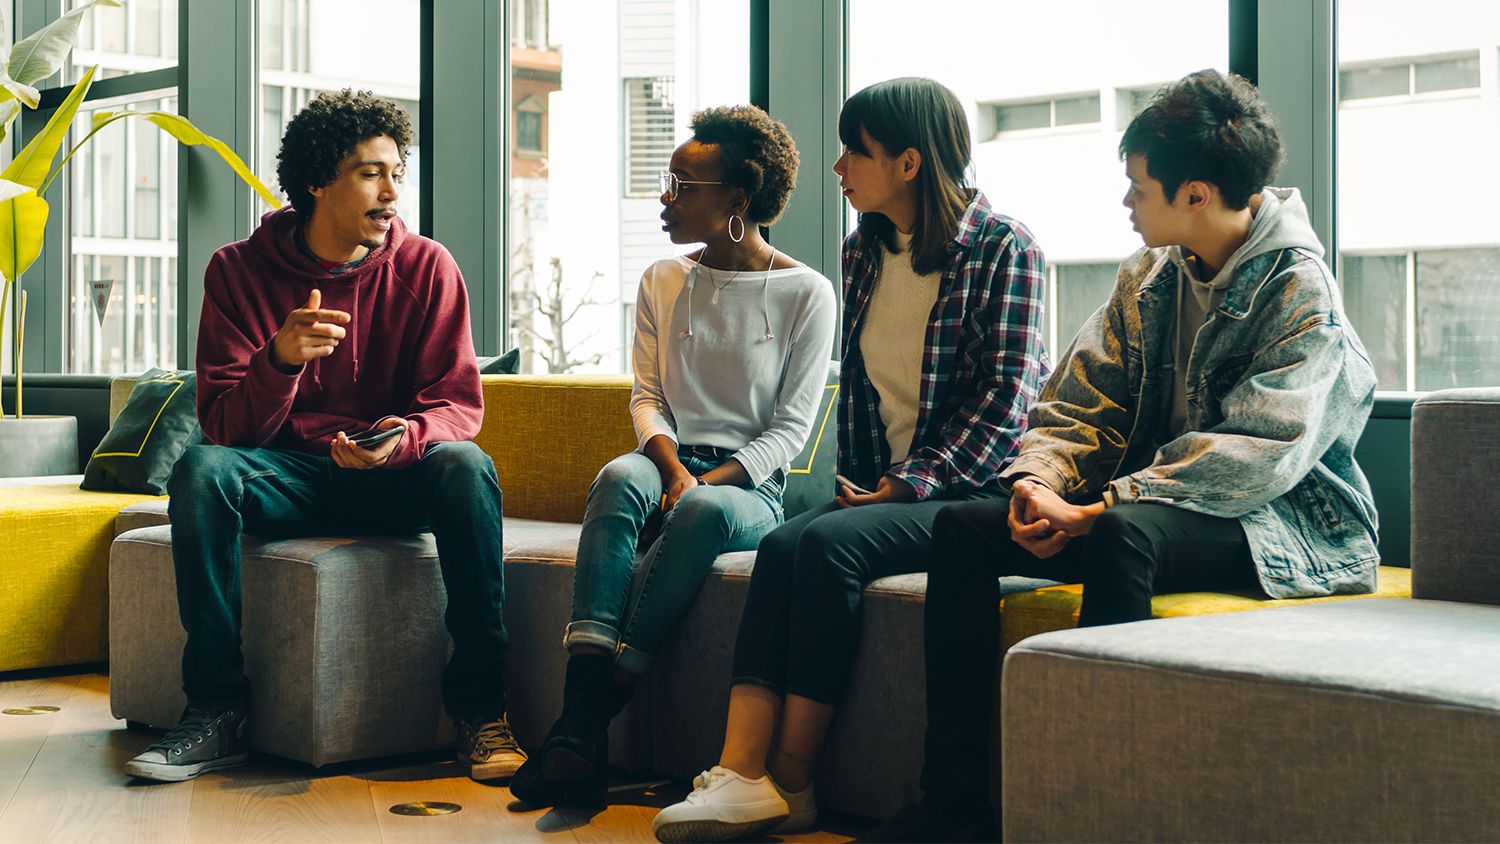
<point x="489" y="748"/>
<point x="203" y="740"/>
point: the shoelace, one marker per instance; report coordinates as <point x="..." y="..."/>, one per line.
<point x="494" y="735"/>
<point x="705" y="781"/>
<point x="195" y="726"/>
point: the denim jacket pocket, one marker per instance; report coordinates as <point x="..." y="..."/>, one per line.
<point x="1328" y="526"/>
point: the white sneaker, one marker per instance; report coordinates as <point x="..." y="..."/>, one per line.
<point x="723" y="805"/>
<point x="803" y="808"/>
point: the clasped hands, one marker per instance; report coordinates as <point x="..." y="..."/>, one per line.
<point x="1042" y="522"/>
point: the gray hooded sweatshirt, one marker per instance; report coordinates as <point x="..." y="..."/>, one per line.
<point x="1280" y="222"/>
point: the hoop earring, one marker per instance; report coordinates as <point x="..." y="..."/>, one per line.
<point x="732" y="218"/>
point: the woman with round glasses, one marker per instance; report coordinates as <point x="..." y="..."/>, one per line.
<point x="731" y="351"/>
<point x="941" y="357"/>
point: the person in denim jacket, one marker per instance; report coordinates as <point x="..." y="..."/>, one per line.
<point x="1198" y="434"/>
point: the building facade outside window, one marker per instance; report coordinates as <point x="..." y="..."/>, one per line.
<point x="311" y="46"/>
<point x="122" y="290"/>
<point x="122" y="299"/>
<point x="1047" y="112"/>
<point x="1418" y="126"/>
<point x="614" y="84"/>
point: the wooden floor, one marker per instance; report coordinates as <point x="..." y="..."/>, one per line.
<point x="61" y="780"/>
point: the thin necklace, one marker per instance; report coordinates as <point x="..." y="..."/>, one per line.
<point x="719" y="287"/>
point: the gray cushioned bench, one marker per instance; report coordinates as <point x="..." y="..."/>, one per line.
<point x="344" y="644"/>
<point x="1374" y="720"/>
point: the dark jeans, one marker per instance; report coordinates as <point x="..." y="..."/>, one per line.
<point x="1131" y="552"/>
<point x="218" y="491"/>
<point x="800" y="627"/>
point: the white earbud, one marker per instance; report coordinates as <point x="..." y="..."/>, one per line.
<point x="687" y="333"/>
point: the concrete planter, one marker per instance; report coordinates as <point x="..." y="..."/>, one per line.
<point x="38" y="445"/>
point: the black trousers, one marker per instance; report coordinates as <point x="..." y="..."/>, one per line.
<point x="800" y="627"/>
<point x="1131" y="552"/>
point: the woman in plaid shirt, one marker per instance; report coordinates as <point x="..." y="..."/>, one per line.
<point x="941" y="358"/>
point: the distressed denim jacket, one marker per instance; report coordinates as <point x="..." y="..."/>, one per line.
<point x="1278" y="389"/>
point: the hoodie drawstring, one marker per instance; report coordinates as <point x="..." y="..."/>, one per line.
<point x="317" y="364"/>
<point x="354" y="330"/>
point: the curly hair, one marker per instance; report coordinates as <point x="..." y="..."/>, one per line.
<point x="1210" y="127"/>
<point x="757" y="154"/>
<point x="326" y="131"/>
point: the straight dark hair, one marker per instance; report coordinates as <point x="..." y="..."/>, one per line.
<point x="916" y="113"/>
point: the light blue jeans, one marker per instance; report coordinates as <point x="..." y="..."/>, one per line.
<point x="628" y="602"/>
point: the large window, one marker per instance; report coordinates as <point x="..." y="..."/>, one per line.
<point x="1419" y="123"/>
<point x="1047" y="101"/>
<point x="310" y="46"/>
<point x="121" y="307"/>
<point x="601" y="93"/>
<point x="122" y="298"/>
<point x="140" y="35"/>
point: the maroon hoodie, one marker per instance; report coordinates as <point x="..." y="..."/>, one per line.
<point x="407" y="352"/>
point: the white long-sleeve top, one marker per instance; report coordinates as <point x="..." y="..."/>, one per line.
<point x="727" y="384"/>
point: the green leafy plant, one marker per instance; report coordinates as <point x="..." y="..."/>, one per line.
<point x="23" y="210"/>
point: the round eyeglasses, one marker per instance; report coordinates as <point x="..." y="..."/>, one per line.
<point x="671" y="185"/>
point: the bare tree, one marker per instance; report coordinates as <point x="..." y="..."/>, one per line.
<point x="551" y="304"/>
<point x="532" y="301"/>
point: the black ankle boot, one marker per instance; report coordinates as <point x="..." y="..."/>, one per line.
<point x="531" y="786"/>
<point x="577" y="749"/>
<point x="619" y="698"/>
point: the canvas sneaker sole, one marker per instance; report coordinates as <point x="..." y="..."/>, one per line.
<point x="163" y="772"/>
<point x="497" y="768"/>
<point x="714" y="830"/>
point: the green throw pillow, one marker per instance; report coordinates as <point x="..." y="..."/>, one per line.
<point x="506" y="364"/>
<point x="810" y="483"/>
<point x="159" y="421"/>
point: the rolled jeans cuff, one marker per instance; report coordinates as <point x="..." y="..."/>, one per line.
<point x="589" y="632"/>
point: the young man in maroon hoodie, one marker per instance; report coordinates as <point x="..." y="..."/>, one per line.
<point x="330" y="320"/>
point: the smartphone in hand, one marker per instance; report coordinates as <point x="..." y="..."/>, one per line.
<point x="371" y="437"/>
<point x="853" y="487"/>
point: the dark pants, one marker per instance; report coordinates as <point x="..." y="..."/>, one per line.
<point x="800" y="627"/>
<point x="218" y="491"/>
<point x="1131" y="552"/>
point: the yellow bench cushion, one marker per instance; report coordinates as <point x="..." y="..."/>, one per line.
<point x="54" y="573"/>
<point x="1056" y="607"/>
<point x="549" y="435"/>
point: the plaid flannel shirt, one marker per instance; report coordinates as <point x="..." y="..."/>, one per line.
<point x="982" y="366"/>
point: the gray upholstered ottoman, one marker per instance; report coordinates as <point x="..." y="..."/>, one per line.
<point x="343" y="637"/>
<point x="1375" y="720"/>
